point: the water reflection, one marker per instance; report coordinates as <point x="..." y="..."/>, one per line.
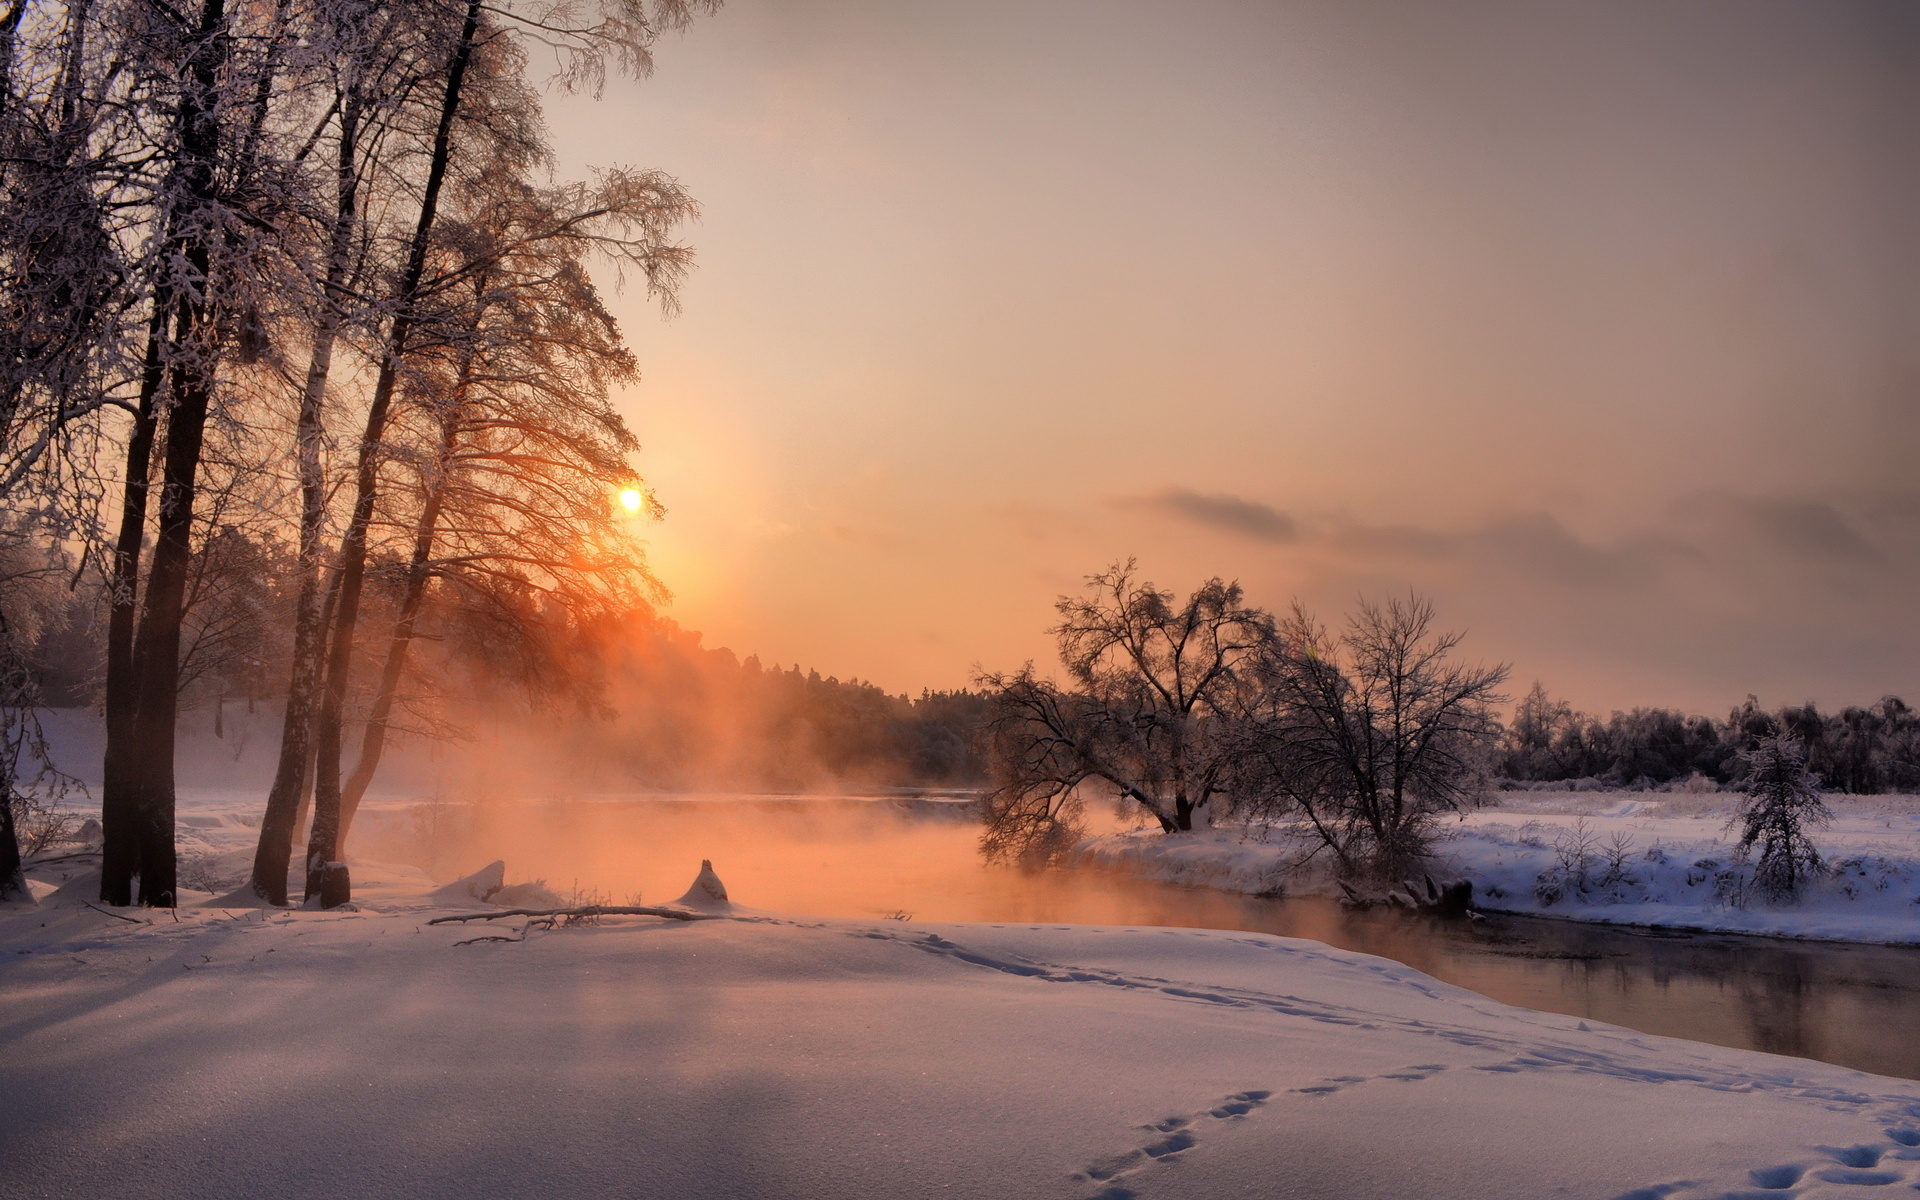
<point x="1858" y="1006"/>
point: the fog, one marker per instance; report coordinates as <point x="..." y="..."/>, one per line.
<point x="856" y="856"/>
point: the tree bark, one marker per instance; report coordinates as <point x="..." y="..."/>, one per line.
<point x="13" y="881"/>
<point x="373" y="739"/>
<point x="120" y="853"/>
<point x="284" y="800"/>
<point x="323" y="843"/>
<point x="156" y="650"/>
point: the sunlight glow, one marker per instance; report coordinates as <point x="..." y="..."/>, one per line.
<point x="631" y="499"/>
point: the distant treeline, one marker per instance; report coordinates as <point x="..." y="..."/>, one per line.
<point x="1871" y="749"/>
<point x="677" y="714"/>
<point x="640" y="700"/>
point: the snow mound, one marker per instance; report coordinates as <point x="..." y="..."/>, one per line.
<point x="707" y="894"/>
<point x="245" y="897"/>
<point x="479" y="886"/>
<point x="527" y="895"/>
<point x="81" y="889"/>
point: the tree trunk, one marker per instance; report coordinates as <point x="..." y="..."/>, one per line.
<point x="286" y="798"/>
<point x="323" y="844"/>
<point x="120" y="853"/>
<point x="373" y="740"/>
<point x="13" y="881"/>
<point x="156" y="650"/>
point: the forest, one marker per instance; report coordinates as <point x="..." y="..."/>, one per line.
<point x="1855" y="749"/>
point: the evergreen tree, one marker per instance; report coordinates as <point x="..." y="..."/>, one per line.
<point x="1783" y="802"/>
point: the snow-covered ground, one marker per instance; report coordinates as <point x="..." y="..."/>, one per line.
<point x="243" y="1053"/>
<point x="1649" y="859"/>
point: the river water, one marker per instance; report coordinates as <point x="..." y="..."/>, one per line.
<point x="1858" y="1006"/>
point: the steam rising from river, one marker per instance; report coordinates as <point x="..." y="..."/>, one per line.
<point x="845" y="856"/>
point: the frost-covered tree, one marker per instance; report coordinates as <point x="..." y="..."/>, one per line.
<point x="1139" y="720"/>
<point x="1367" y="736"/>
<point x="1783" y="802"/>
<point x="516" y="454"/>
<point x="484" y="111"/>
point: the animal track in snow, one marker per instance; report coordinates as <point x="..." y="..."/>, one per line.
<point x="1777" y="1178"/>
<point x="1337" y="1083"/>
<point x="1165" y="1138"/>
<point x="1870" y="1164"/>
<point x="1620" y="1055"/>
<point x="1546" y="1049"/>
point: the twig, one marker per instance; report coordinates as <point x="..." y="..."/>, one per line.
<point x="41" y="862"/>
<point x="590" y="910"/>
<point x="491" y="937"/>
<point x="116" y="916"/>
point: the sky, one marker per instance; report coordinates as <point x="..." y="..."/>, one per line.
<point x="1596" y="322"/>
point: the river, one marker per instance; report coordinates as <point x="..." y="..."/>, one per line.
<point x="1857" y="1006"/>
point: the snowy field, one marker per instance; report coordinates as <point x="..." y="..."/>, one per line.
<point x="241" y="1053"/>
<point x="1664" y="860"/>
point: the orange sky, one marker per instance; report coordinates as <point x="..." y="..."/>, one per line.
<point x="1595" y="321"/>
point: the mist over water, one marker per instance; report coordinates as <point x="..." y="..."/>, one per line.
<point x="918" y="859"/>
<point x="875" y="856"/>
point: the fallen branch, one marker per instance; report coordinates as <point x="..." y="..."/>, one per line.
<point x="117" y="916"/>
<point x="41" y="862"/>
<point x="491" y="937"/>
<point x="590" y="910"/>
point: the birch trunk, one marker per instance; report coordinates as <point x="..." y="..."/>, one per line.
<point x="285" y="799"/>
<point x="323" y="842"/>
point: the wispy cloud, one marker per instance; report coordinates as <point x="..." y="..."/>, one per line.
<point x="1227" y="513"/>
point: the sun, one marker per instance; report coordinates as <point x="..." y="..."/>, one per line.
<point x="631" y="498"/>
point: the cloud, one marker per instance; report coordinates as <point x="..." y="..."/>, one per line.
<point x="1534" y="543"/>
<point x="1811" y="527"/>
<point x="1229" y="514"/>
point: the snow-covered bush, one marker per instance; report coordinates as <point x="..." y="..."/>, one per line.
<point x="1586" y="867"/>
<point x="1732" y="887"/>
<point x="206" y="872"/>
<point x="1618" y="851"/>
<point x="1783" y="802"/>
<point x="41" y="823"/>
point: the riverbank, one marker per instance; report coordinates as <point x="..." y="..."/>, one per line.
<point x="1657" y="860"/>
<point x="373" y="1054"/>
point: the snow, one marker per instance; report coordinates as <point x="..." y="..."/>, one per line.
<point x="475" y="888"/>
<point x="707" y="894"/>
<point x="244" y="1052"/>
<point x="1677" y="866"/>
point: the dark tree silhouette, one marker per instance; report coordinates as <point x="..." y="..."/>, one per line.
<point x="1783" y="802"/>
<point x="1367" y="737"/>
<point x="1140" y="719"/>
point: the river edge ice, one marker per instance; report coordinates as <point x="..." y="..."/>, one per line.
<point x="241" y="1052"/>
<point x="1653" y="860"/>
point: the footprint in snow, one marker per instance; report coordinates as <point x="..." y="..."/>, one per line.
<point x="1166" y="1138"/>
<point x="1866" y="1165"/>
<point x="1338" y="1083"/>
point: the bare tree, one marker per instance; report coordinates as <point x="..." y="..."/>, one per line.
<point x="378" y="58"/>
<point x="1140" y="719"/>
<point x="1368" y="737"/>
<point x="32" y="588"/>
<point x="481" y="87"/>
<point x="62" y="277"/>
<point x="523" y="454"/>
